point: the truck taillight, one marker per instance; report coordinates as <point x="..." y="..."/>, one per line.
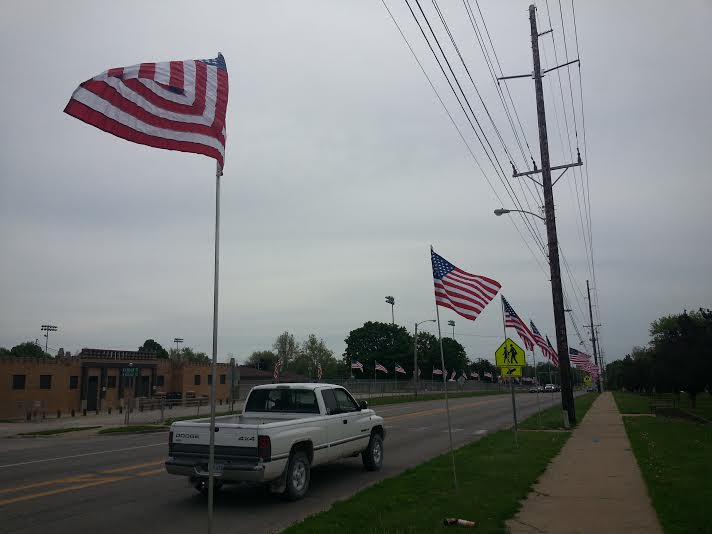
<point x="264" y="448"/>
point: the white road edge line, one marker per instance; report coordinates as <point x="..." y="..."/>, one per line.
<point x="80" y="455"/>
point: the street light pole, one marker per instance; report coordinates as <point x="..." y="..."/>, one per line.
<point x="47" y="328"/>
<point x="390" y="300"/>
<point x="415" y="354"/>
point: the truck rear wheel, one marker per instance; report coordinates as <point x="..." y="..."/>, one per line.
<point x="298" y="476"/>
<point x="373" y="455"/>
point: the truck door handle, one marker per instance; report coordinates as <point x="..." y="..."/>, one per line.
<point x="346" y="421"/>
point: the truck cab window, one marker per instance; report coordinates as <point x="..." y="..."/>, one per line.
<point x="345" y="401"/>
<point x="332" y="406"/>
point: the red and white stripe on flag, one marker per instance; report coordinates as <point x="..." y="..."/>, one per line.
<point x="379" y="367"/>
<point x="437" y="371"/>
<point x="174" y="105"/>
<point x="400" y="370"/>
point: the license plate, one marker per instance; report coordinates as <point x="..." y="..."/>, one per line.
<point x="218" y="468"/>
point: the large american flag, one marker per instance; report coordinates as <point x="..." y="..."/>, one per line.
<point x="465" y="293"/>
<point x="357" y="365"/>
<point x="543" y="344"/>
<point x="379" y="367"/>
<point x="512" y="320"/>
<point x="175" y="105"/>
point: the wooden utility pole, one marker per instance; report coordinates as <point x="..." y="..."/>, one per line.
<point x="562" y="344"/>
<point x="593" y="337"/>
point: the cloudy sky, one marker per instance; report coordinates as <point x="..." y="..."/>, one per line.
<point x="342" y="168"/>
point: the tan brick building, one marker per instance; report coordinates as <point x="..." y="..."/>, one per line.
<point x="94" y="381"/>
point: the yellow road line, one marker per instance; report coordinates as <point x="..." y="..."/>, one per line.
<point x="67" y="480"/>
<point x="152" y="472"/>
<point x="131" y="467"/>
<point x="434" y="411"/>
<point x="61" y="490"/>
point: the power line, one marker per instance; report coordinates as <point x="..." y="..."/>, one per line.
<point x="462" y="137"/>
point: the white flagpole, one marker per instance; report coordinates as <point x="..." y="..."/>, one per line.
<point x="447" y="402"/>
<point x="211" y="454"/>
<point x="511" y="380"/>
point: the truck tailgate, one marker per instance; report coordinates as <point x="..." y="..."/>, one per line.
<point x="232" y="442"/>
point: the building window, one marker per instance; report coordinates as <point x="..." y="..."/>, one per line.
<point x="210" y="378"/>
<point x="45" y="381"/>
<point x="110" y="381"/>
<point x="73" y="382"/>
<point x="18" y="381"/>
<point x="222" y="379"/>
<point x="196" y="380"/>
<point x="160" y="380"/>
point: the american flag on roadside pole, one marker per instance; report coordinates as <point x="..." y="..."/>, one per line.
<point x="476" y="376"/>
<point x="400" y="370"/>
<point x="452" y="376"/>
<point x="545" y="347"/>
<point x="355" y="364"/>
<point x="583" y="361"/>
<point x="488" y="375"/>
<point x="437" y="371"/>
<point x="381" y="368"/>
<point x="173" y="105"/>
<point x="512" y="320"/>
<point x="318" y="371"/>
<point x="555" y="357"/>
<point x="277" y="370"/>
<point x="467" y="295"/>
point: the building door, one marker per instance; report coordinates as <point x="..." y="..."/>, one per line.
<point x="145" y="386"/>
<point x="92" y="390"/>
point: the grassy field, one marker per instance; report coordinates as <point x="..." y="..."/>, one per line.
<point x="631" y="402"/>
<point x="674" y="457"/>
<point x="54" y="431"/>
<point x="552" y="418"/>
<point x="703" y="408"/>
<point x="133" y="428"/>
<point x="493" y="476"/>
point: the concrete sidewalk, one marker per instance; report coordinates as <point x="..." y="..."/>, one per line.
<point x="594" y="484"/>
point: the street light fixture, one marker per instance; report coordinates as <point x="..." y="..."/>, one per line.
<point x="452" y="323"/>
<point x="390" y="300"/>
<point x="415" y="354"/>
<point x="47" y="328"/>
<point x="501" y="211"/>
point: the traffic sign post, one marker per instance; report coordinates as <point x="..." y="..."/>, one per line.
<point x="511" y="359"/>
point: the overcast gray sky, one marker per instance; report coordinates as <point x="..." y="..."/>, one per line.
<point x="341" y="170"/>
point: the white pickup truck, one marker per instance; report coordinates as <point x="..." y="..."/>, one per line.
<point x="284" y="430"/>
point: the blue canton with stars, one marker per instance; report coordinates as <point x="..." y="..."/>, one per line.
<point x="218" y="62"/>
<point x="441" y="267"/>
<point x="508" y="309"/>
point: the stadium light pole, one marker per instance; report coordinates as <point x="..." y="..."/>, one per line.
<point x="177" y="340"/>
<point x="415" y="354"/>
<point x="452" y="323"/>
<point x="47" y="328"/>
<point x="390" y="300"/>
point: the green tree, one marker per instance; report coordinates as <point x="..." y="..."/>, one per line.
<point x="262" y="359"/>
<point x="153" y="346"/>
<point x="28" y="349"/>
<point x="386" y="343"/>
<point x="187" y="354"/>
<point x="311" y="353"/>
<point x="454" y="354"/>
<point x="285" y="347"/>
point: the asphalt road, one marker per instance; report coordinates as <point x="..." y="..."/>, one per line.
<point x="118" y="484"/>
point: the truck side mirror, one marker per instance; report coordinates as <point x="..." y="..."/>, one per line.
<point x="363" y="405"/>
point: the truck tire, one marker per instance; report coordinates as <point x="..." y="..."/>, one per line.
<point x="373" y="455"/>
<point x="298" y="476"/>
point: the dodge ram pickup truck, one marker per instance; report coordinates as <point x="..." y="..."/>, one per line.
<point x="284" y="430"/>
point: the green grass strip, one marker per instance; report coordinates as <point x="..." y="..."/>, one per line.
<point x="57" y="431"/>
<point x="380" y="401"/>
<point x="674" y="457"/>
<point x="631" y="402"/>
<point x="493" y="476"/>
<point x="132" y="429"/>
<point x="552" y="418"/>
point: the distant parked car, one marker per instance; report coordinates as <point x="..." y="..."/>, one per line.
<point x="536" y="389"/>
<point x="590" y="389"/>
<point x="549" y="388"/>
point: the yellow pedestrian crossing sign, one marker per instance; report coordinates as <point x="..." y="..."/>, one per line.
<point x="511" y="371"/>
<point x="587" y="380"/>
<point x="509" y="354"/>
